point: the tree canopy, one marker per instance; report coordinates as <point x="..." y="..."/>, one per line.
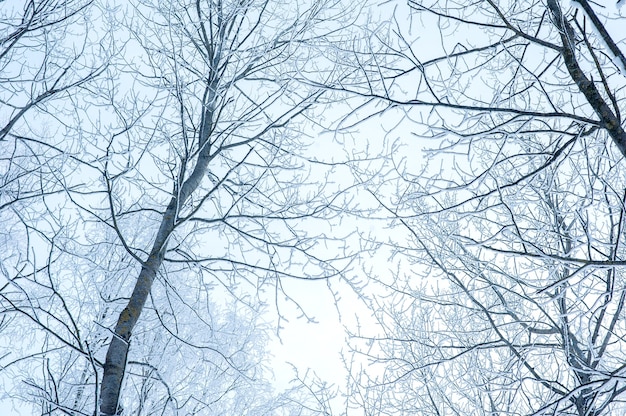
<point x="168" y="166"/>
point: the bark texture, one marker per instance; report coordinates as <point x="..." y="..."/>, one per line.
<point x="117" y="353"/>
<point x="608" y="118"/>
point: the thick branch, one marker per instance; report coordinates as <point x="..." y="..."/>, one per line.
<point x="615" y="50"/>
<point x="608" y="119"/>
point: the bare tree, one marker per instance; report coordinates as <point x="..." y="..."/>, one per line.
<point x="48" y="51"/>
<point x="186" y="200"/>
<point x="513" y="217"/>
<point x="40" y="57"/>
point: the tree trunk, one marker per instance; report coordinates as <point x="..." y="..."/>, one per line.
<point x="609" y="120"/>
<point x="115" y="362"/>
